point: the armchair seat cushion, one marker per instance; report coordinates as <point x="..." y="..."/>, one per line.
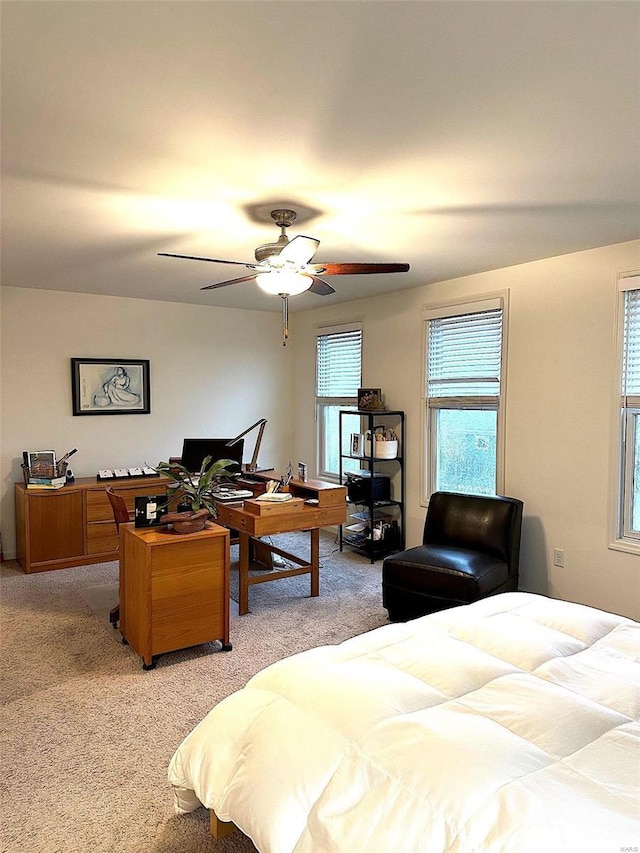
<point x="447" y="572"/>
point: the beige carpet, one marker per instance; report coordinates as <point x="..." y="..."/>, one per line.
<point x="86" y="735"/>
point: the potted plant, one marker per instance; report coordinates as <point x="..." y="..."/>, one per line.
<point x="193" y="492"/>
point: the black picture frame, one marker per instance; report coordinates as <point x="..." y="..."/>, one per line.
<point x="110" y="386"/>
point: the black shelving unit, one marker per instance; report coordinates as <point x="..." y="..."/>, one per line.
<point x="382" y="521"/>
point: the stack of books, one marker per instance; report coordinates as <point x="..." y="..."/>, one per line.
<point x="46" y="482"/>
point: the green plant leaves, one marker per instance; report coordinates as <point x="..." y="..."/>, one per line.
<point x="196" y="489"/>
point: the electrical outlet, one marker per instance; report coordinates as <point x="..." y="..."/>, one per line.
<point x="558" y="557"/>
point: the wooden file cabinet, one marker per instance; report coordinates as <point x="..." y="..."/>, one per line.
<point x="174" y="589"/>
<point x="73" y="526"/>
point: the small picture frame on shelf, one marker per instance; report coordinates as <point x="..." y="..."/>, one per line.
<point x="357" y="444"/>
<point x="370" y="400"/>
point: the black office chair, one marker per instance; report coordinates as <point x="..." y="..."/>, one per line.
<point x="470" y="549"/>
<point x="121" y="515"/>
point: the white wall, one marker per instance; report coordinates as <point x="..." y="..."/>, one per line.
<point x="559" y="414"/>
<point x="213" y="373"/>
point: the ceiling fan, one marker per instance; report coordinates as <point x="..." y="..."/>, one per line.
<point x="283" y="268"/>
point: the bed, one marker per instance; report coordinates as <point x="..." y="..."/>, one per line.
<point x="507" y="725"/>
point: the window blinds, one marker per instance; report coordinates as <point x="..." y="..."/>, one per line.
<point x="631" y="345"/>
<point x="339" y="363"/>
<point x="464" y="355"/>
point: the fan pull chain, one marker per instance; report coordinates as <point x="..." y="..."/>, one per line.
<point x="285" y="320"/>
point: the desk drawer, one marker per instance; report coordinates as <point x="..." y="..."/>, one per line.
<point x="99" y="508"/>
<point x="102" y="537"/>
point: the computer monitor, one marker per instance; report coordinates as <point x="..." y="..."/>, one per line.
<point x="195" y="450"/>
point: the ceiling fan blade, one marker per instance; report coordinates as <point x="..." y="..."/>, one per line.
<point x="357" y="269"/>
<point x="231" y="281"/>
<point x="300" y="250"/>
<point x="320" y="287"/>
<point x="211" y="260"/>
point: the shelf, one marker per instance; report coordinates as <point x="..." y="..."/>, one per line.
<point x="370" y="458"/>
<point x="363" y="543"/>
<point x="374" y="412"/>
<point x="375" y="504"/>
<point x="389" y="513"/>
<point x="378" y="512"/>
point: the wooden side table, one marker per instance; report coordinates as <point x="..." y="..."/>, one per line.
<point x="174" y="589"/>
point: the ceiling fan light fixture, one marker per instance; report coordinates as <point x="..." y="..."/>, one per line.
<point x="271" y="250"/>
<point x="284" y="282"/>
<point x="283" y="268"/>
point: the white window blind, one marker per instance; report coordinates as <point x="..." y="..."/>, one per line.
<point x="631" y="346"/>
<point x="338" y="362"/>
<point x="464" y="355"/>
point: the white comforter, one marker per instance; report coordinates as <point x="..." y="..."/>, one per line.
<point x="506" y="725"/>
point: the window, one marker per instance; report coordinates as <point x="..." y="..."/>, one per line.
<point x="338" y="377"/>
<point x="628" y="493"/>
<point x="463" y="387"/>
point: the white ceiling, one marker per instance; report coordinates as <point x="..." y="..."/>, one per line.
<point x="455" y="136"/>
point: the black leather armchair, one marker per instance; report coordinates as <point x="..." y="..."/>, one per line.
<point x="470" y="549"/>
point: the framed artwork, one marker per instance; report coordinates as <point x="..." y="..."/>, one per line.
<point x="110" y="386"/>
<point x="39" y="458"/>
<point x="357" y="448"/>
<point x="370" y="398"/>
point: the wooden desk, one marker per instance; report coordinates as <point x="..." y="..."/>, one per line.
<point x="332" y="509"/>
<point x="73" y="526"/>
<point x="174" y="589"/>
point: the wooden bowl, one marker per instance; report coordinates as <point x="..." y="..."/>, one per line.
<point x="187" y="522"/>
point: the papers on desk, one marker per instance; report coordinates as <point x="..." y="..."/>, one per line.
<point x="275" y="497"/>
<point x="231" y="494"/>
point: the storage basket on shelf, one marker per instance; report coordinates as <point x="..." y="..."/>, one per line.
<point x="385" y="443"/>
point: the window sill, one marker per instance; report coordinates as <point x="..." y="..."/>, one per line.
<point x="629" y="546"/>
<point x="329" y="478"/>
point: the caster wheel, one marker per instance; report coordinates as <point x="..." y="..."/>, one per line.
<point x="226" y="647"/>
<point x="152" y="665"/>
<point x="125" y="642"/>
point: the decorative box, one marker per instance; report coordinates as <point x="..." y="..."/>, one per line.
<point x="267" y="508"/>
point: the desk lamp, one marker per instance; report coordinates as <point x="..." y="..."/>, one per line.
<point x="252" y="467"/>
